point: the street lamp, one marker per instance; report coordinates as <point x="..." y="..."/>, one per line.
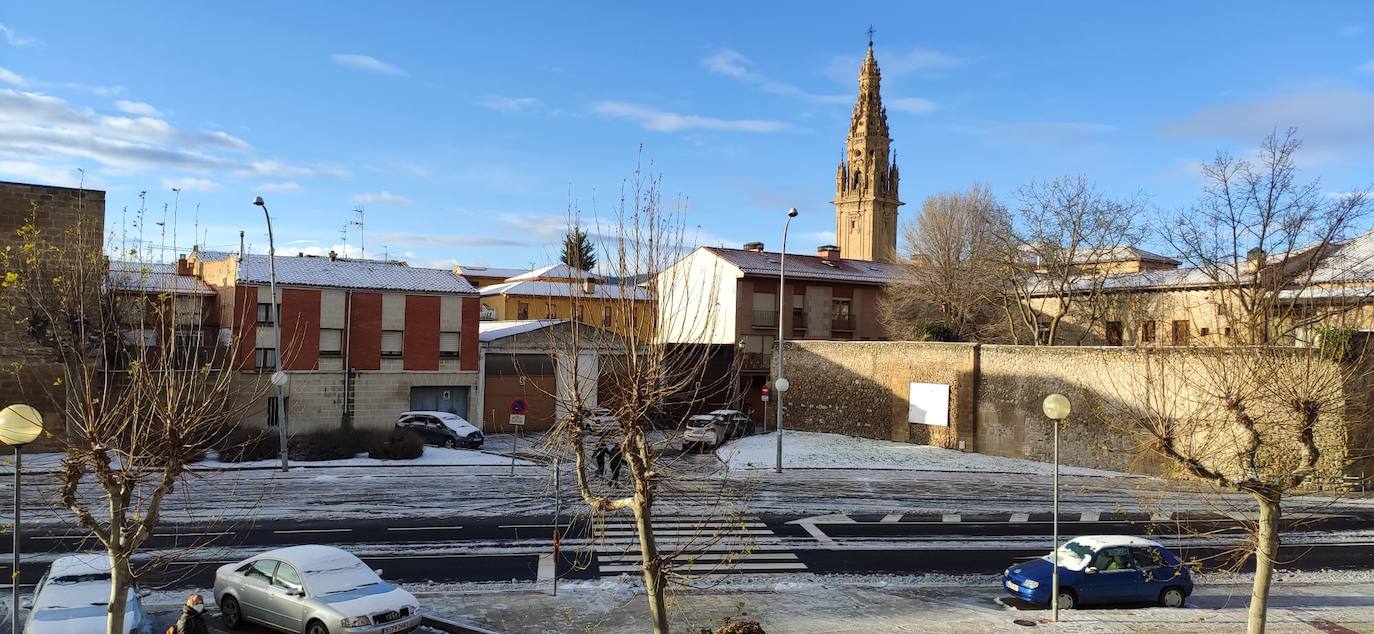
<point x="279" y="377"/>
<point x="19" y="426"/>
<point x="781" y="383"/>
<point x="1056" y="408"/>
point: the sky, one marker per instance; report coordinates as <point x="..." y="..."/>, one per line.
<point x="466" y="131"/>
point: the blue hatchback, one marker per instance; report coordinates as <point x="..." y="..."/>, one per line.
<point x="1104" y="569"/>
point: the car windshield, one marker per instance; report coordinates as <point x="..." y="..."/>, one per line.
<point x="1074" y="556"/>
<point x="340" y="575"/>
<point x="700" y="421"/>
<point x="72" y="591"/>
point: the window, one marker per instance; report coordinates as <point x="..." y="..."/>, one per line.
<point x="765" y="310"/>
<point x="841" y="318"/>
<point x="1042" y="332"/>
<point x="272" y="409"/>
<point x="265" y="313"/>
<point x="1181" y="332"/>
<point x="581" y="314"/>
<point x="1147" y="332"/>
<point x="393" y="343"/>
<point x="286" y="577"/>
<point x="522" y="310"/>
<point x="1204" y="331"/>
<point x="1226" y="331"/>
<point x="799" y="312"/>
<point x="265" y="358"/>
<point x="606" y="316"/>
<point x="755" y="344"/>
<point x="1113" y="559"/>
<point x="553" y="312"/>
<point x="1113" y="333"/>
<point x="262" y="569"/>
<point x="331" y="342"/>
<point x="448" y="345"/>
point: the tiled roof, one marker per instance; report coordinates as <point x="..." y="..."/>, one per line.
<point x="1352" y="261"/>
<point x="810" y="267"/>
<point x="375" y="275"/>
<point x="493" y="330"/>
<point x="567" y="289"/>
<point x="154" y="278"/>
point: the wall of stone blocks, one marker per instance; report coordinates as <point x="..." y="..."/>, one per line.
<point x="316" y="399"/>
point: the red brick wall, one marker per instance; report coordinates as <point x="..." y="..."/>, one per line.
<point x="467" y="346"/>
<point x="422" y="333"/>
<point x="245" y="325"/>
<point x="300" y="328"/>
<point x="365" y="332"/>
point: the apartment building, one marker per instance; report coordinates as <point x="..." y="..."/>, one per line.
<point x="559" y="291"/>
<point x="362" y="340"/>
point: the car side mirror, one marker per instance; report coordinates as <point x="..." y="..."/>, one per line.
<point x="1091" y="570"/>
<point x="295" y="592"/>
<point x="378" y="571"/>
<point x="26" y="603"/>
<point x="144" y="593"/>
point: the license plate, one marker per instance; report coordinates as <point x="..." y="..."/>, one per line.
<point x="1013" y="587"/>
<point x="396" y="628"/>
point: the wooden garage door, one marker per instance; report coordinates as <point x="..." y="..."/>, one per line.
<point x="526" y="377"/>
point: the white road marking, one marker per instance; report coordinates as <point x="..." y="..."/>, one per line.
<point x="1020" y="517"/>
<point x="313" y="530"/>
<point x="423" y="528"/>
<point x="1088" y="516"/>
<point x="1161" y="517"/>
<point x="546" y="568"/>
<point x="893" y="517"/>
<point x="820" y="535"/>
<point x="769" y="567"/>
<point x="951" y="518"/>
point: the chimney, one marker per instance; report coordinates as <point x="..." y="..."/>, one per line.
<point x="828" y="252"/>
<point x="183" y="267"/>
<point x="333" y="256"/>
<point x="587" y="285"/>
<point x="756" y="247"/>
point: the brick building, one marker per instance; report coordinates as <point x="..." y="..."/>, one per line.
<point x="72" y="216"/>
<point x="362" y="340"/>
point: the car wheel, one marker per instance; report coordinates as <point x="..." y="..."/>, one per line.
<point x="316" y="627"/>
<point x="449" y="444"/>
<point x="1067" y="600"/>
<point x="1171" y="598"/>
<point x="229" y="612"/>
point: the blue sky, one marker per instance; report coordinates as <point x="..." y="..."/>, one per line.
<point x="466" y="129"/>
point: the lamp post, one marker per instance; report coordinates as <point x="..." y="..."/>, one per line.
<point x="279" y="378"/>
<point x="19" y="426"/>
<point x="781" y="383"/>
<point x="1056" y="407"/>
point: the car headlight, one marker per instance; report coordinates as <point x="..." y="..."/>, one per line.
<point x="1030" y="583"/>
<point x="475" y="435"/>
<point x="414" y="608"/>
<point x="357" y="621"/>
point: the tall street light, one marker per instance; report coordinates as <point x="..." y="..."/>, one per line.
<point x="1056" y="407"/>
<point x="781" y="384"/>
<point x="19" y="426"/>
<point x="279" y="378"/>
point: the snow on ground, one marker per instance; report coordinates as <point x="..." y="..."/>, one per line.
<point x="432" y="457"/>
<point x="809" y="450"/>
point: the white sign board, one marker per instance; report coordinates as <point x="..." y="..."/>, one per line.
<point x="928" y="404"/>
<point x="517" y="419"/>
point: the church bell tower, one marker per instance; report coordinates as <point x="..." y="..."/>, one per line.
<point x="866" y="181"/>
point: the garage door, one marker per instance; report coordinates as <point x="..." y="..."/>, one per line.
<point x="452" y="399"/>
<point x="526" y="377"/>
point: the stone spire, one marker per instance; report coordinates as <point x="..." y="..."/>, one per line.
<point x="866" y="180"/>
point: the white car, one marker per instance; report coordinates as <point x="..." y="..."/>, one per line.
<point x="599" y="420"/>
<point x="312" y="590"/>
<point x="715" y="428"/>
<point x="72" y="596"/>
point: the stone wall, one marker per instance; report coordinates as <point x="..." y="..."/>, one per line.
<point x="315" y="398"/>
<point x="27" y="372"/>
<point x="861" y="389"/>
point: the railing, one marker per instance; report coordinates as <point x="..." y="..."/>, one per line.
<point x="798" y="320"/>
<point x="756" y="360"/>
<point x="842" y="322"/>
<point x="765" y="318"/>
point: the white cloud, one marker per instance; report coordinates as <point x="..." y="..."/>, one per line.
<point x="732" y="63"/>
<point x="137" y="107"/>
<point x="8" y="76"/>
<point x="915" y="105"/>
<point x="845" y="68"/>
<point x="15" y="39"/>
<point x="367" y="63"/>
<point x="663" y="121"/>
<point x="380" y="198"/>
<point x="507" y="104"/>
<point x="289" y="186"/>
<point x="729" y="62"/>
<point x="188" y="184"/>
<point x="1352" y="30"/>
<point x="443" y="240"/>
<point x="40" y="174"/>
<point x="1327" y="121"/>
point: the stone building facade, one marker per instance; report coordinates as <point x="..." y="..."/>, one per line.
<point x="27" y="371"/>
<point x="866" y="181"/>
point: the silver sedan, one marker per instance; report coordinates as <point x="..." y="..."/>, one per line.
<point x="312" y="590"/>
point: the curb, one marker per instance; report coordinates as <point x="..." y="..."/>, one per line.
<point x="453" y="627"/>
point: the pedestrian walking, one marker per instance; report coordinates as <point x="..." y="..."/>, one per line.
<point x="617" y="459"/>
<point x="192" y="620"/>
<point x="599" y="455"/>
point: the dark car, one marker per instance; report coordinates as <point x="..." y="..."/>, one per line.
<point x="442" y="429"/>
<point x="1104" y="569"/>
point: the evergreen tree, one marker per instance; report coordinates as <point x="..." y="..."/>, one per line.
<point x="578" y="250"/>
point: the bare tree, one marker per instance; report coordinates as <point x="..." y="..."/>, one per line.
<point x="951" y="275"/>
<point x="144" y="392"/>
<point x="1271" y="244"/>
<point x="1262" y="421"/>
<point x="1055" y="253"/>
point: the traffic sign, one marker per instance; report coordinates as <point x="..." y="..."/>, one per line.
<point x="517" y="420"/>
<point x="763" y="394"/>
<point x="517" y="406"/>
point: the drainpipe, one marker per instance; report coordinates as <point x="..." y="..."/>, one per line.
<point x="346" y="419"/>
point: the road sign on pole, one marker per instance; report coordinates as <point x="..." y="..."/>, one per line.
<point x="517" y="406"/>
<point x="517" y="420"/>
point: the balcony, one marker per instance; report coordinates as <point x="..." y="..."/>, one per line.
<point x="842" y="323"/>
<point x="756" y="361"/>
<point x="765" y="318"/>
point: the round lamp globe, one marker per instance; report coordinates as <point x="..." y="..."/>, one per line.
<point x="1056" y="407"/>
<point x="781" y="384"/>
<point x="20" y="425"/>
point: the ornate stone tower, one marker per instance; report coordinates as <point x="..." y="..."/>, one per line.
<point x="866" y="182"/>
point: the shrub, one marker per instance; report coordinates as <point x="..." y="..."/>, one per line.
<point x="245" y="445"/>
<point x="399" y="444"/>
<point x="936" y="332"/>
<point x="336" y="444"/>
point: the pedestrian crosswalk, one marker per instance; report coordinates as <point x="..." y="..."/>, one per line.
<point x="698" y="545"/>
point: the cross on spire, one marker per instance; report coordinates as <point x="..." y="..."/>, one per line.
<point x="871" y="31"/>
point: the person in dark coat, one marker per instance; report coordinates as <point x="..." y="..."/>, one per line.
<point x="617" y="459"/>
<point x="599" y="455"/>
<point x="192" y="619"/>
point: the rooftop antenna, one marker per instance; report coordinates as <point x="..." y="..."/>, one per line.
<point x="196" y="233"/>
<point x="176" y="207"/>
<point x="343" y="235"/>
<point x="240" y="245"/>
<point x="362" y="239"/>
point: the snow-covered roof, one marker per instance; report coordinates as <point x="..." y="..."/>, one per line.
<point x="380" y="275"/>
<point x="1353" y="260"/>
<point x="79" y="564"/>
<point x="311" y="557"/>
<point x="558" y="271"/>
<point x="568" y="289"/>
<point x="809" y="267"/>
<point x="493" y="330"/>
<point x="1097" y="542"/>
<point x="154" y="278"/>
<point x="488" y="271"/>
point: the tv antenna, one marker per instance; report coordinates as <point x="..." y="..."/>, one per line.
<point x="358" y="222"/>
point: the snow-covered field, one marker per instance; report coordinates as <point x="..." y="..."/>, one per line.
<point x="809" y="450"/>
<point x="432" y="457"/>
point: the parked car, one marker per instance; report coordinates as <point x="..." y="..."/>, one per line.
<point x="1104" y="569"/>
<point x="312" y="590"/>
<point x="715" y="428"/>
<point x="72" y="597"/>
<point x="442" y="429"/>
<point x="599" y="420"/>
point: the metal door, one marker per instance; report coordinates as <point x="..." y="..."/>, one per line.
<point x="451" y="399"/>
